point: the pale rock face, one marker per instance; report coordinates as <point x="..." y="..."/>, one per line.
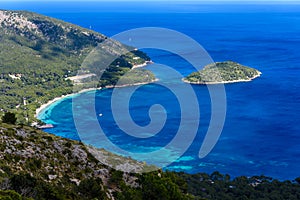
<point x="52" y="177"/>
<point x="16" y="20"/>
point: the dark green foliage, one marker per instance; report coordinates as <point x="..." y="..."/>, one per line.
<point x="32" y="187"/>
<point x="219" y="186"/>
<point x="23" y="184"/>
<point x="10" y="195"/>
<point x="48" y="191"/>
<point x="125" y="76"/>
<point x="91" y="189"/>
<point x="33" y="164"/>
<point x="155" y="186"/>
<point x="9" y="118"/>
<point x="116" y="178"/>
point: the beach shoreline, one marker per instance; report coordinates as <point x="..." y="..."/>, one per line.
<point x="143" y="64"/>
<point x="46" y="105"/>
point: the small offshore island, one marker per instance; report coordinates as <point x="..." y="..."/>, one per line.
<point x="223" y="72"/>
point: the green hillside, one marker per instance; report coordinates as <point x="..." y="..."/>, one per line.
<point x="38" y="54"/>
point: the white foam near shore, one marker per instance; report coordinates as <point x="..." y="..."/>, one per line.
<point x="44" y="106"/>
<point x="142" y="65"/>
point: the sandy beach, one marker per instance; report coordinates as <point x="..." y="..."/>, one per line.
<point x="142" y="65"/>
<point x="44" y="106"/>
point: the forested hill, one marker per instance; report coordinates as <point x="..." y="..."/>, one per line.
<point x="39" y="53"/>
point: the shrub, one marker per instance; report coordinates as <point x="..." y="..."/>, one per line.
<point x="9" y="118"/>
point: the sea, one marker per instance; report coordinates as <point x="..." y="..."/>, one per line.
<point x="261" y="132"/>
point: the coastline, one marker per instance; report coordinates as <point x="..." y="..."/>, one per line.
<point x="46" y="105"/>
<point x="143" y="65"/>
<point x="128" y="85"/>
<point x="223" y="82"/>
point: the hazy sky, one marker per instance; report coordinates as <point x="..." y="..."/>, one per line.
<point x="170" y="1"/>
<point x="283" y="1"/>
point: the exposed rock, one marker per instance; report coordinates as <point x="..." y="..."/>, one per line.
<point x="52" y="177"/>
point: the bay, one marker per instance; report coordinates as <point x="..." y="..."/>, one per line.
<point x="261" y="132"/>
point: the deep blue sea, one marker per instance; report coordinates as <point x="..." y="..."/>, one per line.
<point x="261" y="134"/>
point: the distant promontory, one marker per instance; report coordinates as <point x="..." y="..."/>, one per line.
<point x="223" y="72"/>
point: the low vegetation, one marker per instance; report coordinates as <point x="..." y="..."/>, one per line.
<point x="37" y="165"/>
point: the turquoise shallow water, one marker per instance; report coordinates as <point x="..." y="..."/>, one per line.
<point x="261" y="132"/>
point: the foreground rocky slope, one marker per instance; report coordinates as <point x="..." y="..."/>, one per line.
<point x="37" y="165"/>
<point x="56" y="161"/>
